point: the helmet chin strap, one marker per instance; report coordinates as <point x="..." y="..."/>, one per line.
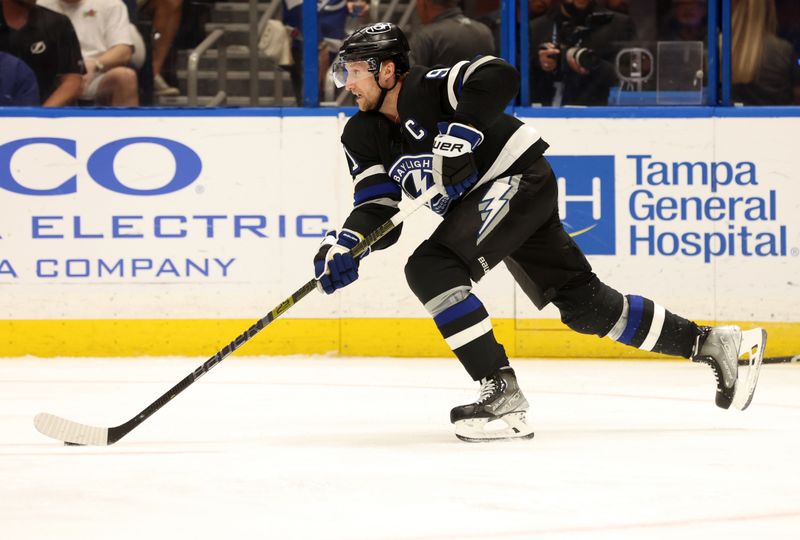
<point x="384" y="91"/>
<point x="378" y="105"/>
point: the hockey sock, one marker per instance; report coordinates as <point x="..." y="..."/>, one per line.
<point x="648" y="326"/>
<point x="466" y="327"/>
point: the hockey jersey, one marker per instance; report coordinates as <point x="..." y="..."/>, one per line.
<point x="387" y="159"/>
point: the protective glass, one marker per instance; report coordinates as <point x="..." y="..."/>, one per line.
<point x="344" y="72"/>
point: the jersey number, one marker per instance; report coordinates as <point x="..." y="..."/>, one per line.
<point x="439" y="73"/>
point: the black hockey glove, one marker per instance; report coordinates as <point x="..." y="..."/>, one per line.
<point x="454" y="170"/>
<point x="334" y="266"/>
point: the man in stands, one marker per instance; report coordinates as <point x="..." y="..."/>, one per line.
<point x="447" y="36"/>
<point x="103" y="30"/>
<point x="47" y="43"/>
<point x="573" y="49"/>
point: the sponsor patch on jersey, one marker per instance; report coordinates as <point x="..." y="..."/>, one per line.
<point x="414" y="175"/>
<point x="586" y="201"/>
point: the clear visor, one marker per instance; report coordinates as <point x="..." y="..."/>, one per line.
<point x="350" y="72"/>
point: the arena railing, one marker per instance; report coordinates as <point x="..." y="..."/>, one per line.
<point x="216" y="37"/>
<point x="515" y="32"/>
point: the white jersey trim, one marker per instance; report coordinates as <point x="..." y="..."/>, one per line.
<point x="451" y="83"/>
<point x="383" y="201"/>
<point x="371" y="171"/>
<point x="353" y="164"/>
<point x="476" y="64"/>
<point x="517" y="144"/>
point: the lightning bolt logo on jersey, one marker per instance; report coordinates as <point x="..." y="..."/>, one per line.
<point x="414" y="175"/>
<point x="495" y="204"/>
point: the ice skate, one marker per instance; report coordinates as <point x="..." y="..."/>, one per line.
<point x="498" y="414"/>
<point x="721" y="347"/>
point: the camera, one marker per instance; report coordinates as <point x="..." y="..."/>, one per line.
<point x="585" y="57"/>
<point x="570" y="36"/>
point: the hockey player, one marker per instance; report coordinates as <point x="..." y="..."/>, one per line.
<point x="445" y="126"/>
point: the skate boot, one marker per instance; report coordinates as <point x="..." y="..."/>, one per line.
<point x="500" y="400"/>
<point x="721" y="347"/>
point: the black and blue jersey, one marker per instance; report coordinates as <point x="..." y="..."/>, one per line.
<point x="387" y="159"/>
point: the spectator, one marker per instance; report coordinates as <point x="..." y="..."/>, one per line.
<point x="621" y="6"/>
<point x="17" y="83"/>
<point x="47" y="43"/>
<point x="789" y="21"/>
<point x="686" y="21"/>
<point x="359" y="15"/>
<point x="447" y="36"/>
<point x="572" y="53"/>
<point x="166" y="16"/>
<point x="537" y="8"/>
<point x="331" y="22"/>
<point x="764" y="66"/>
<point x="103" y="30"/>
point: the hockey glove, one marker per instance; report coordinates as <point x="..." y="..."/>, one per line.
<point x="454" y="170"/>
<point x="334" y="266"/>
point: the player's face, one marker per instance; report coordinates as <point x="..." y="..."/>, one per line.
<point x="361" y="83"/>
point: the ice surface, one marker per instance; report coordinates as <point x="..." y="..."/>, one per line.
<point x="362" y="449"/>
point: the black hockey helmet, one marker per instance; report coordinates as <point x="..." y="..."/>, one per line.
<point x="372" y="44"/>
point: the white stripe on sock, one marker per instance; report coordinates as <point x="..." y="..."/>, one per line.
<point x="619" y="326"/>
<point x="655" y="328"/>
<point x="473" y="332"/>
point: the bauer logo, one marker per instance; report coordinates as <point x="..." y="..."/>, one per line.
<point x="586" y="201"/>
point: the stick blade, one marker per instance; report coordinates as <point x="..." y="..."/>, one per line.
<point x="68" y="431"/>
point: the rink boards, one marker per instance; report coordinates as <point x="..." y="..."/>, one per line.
<point x="169" y="232"/>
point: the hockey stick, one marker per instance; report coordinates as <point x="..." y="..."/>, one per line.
<point x="74" y="433"/>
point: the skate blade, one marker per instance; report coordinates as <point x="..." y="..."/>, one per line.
<point x="753" y="344"/>
<point x="480" y="429"/>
